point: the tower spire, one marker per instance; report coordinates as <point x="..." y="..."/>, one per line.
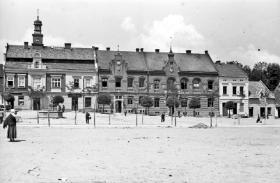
<point x="38" y="14"/>
<point x="170" y="43"/>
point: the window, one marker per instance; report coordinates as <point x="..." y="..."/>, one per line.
<point x="210" y="102"/>
<point x="36" y="82"/>
<point x="184" y="84"/>
<point x="87" y="83"/>
<point x="156" y="102"/>
<point x="10" y="81"/>
<point x="140" y="98"/>
<point x="269" y="111"/>
<point x="141" y="82"/>
<point x="56" y="82"/>
<point x="130" y="100"/>
<point x="241" y="107"/>
<point x="241" y="90"/>
<point x="129" y="82"/>
<point x="88" y="102"/>
<point x="234" y="90"/>
<point x="20" y="100"/>
<point x="224" y="90"/>
<point x="171" y="83"/>
<point x="104" y="82"/>
<point x="196" y="83"/>
<point x="118" y="82"/>
<point x="36" y="64"/>
<point x="76" y="83"/>
<point x="210" y="85"/>
<point x="156" y="84"/>
<point x="21" y="81"/>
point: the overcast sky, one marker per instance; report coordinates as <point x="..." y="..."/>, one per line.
<point x="229" y="29"/>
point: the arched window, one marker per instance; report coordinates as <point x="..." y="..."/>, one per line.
<point x="196" y="83"/>
<point x="156" y="84"/>
<point x="184" y="83"/>
<point x="36" y="64"/>
<point x="170" y="83"/>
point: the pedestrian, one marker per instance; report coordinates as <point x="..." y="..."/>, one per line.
<point x="87" y="117"/>
<point x="58" y="107"/>
<point x="179" y="115"/>
<point x="1" y="116"/>
<point x="63" y="108"/>
<point x="11" y="121"/>
<point x="258" y="119"/>
<point x="162" y="117"/>
<point x="125" y="112"/>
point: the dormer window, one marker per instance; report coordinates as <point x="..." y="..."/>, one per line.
<point x="196" y="83"/>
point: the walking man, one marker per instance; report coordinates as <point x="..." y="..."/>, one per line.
<point x="87" y="117"/>
<point x="11" y="121"/>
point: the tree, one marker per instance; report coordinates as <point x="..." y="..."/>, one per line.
<point x="273" y="75"/>
<point x="229" y="105"/>
<point x="194" y="104"/>
<point x="184" y="103"/>
<point x="58" y="99"/>
<point x="247" y="70"/>
<point x="147" y="102"/>
<point x="9" y="98"/>
<point x="104" y="99"/>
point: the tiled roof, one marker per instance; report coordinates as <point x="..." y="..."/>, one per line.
<point x="1" y="70"/>
<point x="57" y="66"/>
<point x="18" y="51"/>
<point x="135" y="60"/>
<point x="277" y="95"/>
<point x="258" y="87"/>
<point x="230" y="70"/>
<point x="156" y="61"/>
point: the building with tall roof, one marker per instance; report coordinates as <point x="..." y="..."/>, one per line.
<point x="277" y="100"/>
<point x="36" y="73"/>
<point x="129" y="75"/>
<point x="261" y="100"/>
<point x="1" y="83"/>
<point x="233" y="86"/>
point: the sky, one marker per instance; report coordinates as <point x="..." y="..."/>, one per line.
<point x="231" y="30"/>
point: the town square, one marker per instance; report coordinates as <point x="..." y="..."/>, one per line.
<point x="143" y="91"/>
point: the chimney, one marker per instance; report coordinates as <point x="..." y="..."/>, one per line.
<point x="157" y="50"/>
<point x="206" y="52"/>
<point x="137" y="49"/>
<point x="67" y="45"/>
<point x="108" y="48"/>
<point x="188" y="51"/>
<point x="142" y="49"/>
<point x="218" y="62"/>
<point x="96" y="48"/>
<point x="25" y="45"/>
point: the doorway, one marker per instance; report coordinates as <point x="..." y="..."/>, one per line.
<point x="74" y="103"/>
<point x="262" y="111"/>
<point x="118" y="106"/>
<point x="278" y="109"/>
<point x="225" y="112"/>
<point x="36" y="104"/>
<point x="251" y="111"/>
<point x="234" y="110"/>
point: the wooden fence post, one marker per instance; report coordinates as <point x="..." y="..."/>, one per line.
<point x="49" y="123"/>
<point x="37" y="117"/>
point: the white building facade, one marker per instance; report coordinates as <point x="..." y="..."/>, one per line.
<point x="233" y="86"/>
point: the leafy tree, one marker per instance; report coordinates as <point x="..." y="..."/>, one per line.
<point x="247" y="70"/>
<point x="104" y="99"/>
<point x="194" y="104"/>
<point x="58" y="99"/>
<point x="229" y="105"/>
<point x="9" y="98"/>
<point x="273" y="75"/>
<point x="184" y="103"/>
<point x="147" y="102"/>
<point x="172" y="102"/>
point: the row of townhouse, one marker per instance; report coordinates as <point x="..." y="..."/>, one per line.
<point x="35" y="73"/>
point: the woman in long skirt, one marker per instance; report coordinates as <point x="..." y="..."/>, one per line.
<point x="10" y="121"/>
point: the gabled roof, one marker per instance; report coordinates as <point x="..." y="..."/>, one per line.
<point x="1" y="70"/>
<point x="257" y="88"/>
<point x="230" y="70"/>
<point x="18" y="51"/>
<point x="135" y="60"/>
<point x="277" y="94"/>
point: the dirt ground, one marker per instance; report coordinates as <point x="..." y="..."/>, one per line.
<point x="149" y="154"/>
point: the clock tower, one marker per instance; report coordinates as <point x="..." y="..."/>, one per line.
<point x="37" y="35"/>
